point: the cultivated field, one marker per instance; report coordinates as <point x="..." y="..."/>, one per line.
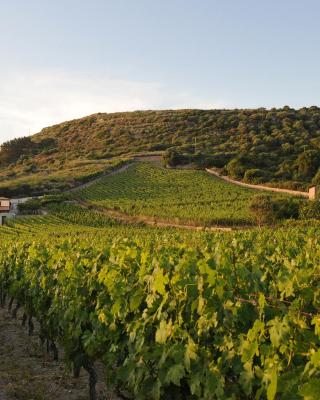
<point x="170" y="314"/>
<point x="175" y="195"/>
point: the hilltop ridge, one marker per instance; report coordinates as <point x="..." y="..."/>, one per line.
<point x="278" y="146"/>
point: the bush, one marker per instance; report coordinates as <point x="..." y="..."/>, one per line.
<point x="255" y="176"/>
<point x="310" y="210"/>
<point x="263" y="210"/>
<point x="308" y="163"/>
<point x="316" y="178"/>
<point x="173" y="157"/>
<point x="218" y="160"/>
<point x="235" y="168"/>
<point x="287" y="208"/>
<point x="31" y="206"/>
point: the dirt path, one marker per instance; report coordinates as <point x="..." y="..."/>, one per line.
<point x="27" y="372"/>
<point x="258" y="187"/>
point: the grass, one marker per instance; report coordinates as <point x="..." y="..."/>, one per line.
<point x="55" y="177"/>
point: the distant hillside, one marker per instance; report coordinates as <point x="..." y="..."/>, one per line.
<point x="277" y="146"/>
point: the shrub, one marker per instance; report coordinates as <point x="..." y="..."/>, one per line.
<point x="31" y="206"/>
<point x="308" y="163"/>
<point x="287" y="208"/>
<point x="235" y="168"/>
<point x="173" y="157"/>
<point x="263" y="210"/>
<point x="316" y="178"/>
<point x="255" y="176"/>
<point x="310" y="210"/>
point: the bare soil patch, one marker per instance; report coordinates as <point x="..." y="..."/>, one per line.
<point x="28" y="372"/>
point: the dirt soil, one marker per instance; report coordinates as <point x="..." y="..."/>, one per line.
<point x="28" y="372"/>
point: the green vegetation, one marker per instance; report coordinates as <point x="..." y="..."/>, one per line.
<point x="187" y="196"/>
<point x="173" y="315"/>
<point x="267" y="211"/>
<point x="53" y="176"/>
<point x="277" y="146"/>
<point x="310" y="210"/>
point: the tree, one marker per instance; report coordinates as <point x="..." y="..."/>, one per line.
<point x="12" y="150"/>
<point x="262" y="210"/>
<point x="236" y="168"/>
<point x="308" y="163"/>
<point x="172" y="158"/>
<point x="255" y="175"/>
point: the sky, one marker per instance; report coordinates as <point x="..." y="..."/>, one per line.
<point x="65" y="59"/>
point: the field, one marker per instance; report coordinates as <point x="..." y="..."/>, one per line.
<point x="179" y="195"/>
<point x="171" y="314"/>
<point x="165" y="313"/>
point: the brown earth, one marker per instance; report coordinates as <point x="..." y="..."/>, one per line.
<point x="28" y="372"/>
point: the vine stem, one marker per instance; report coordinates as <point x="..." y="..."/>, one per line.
<point x="254" y="302"/>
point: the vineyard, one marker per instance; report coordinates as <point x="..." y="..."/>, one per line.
<point x="171" y="314"/>
<point x="186" y="196"/>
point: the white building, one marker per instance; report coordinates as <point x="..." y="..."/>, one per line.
<point x="5" y="210"/>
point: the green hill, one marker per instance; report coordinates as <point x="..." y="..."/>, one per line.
<point x="277" y="146"/>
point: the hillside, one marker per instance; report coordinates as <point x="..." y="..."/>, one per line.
<point x="278" y="146"/>
<point x="183" y="196"/>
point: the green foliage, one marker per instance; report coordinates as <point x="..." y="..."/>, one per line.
<point x="255" y="176"/>
<point x="186" y="196"/>
<point x="287" y="208"/>
<point x="75" y="214"/>
<point x="173" y="158"/>
<point x="12" y="150"/>
<point x="31" y="206"/>
<point x="211" y="317"/>
<point x="267" y="210"/>
<point x="51" y="179"/>
<point x="316" y="178"/>
<point x="263" y="209"/>
<point x="284" y="142"/>
<point x="54" y="198"/>
<point x="308" y="163"/>
<point x="310" y="210"/>
<point x="236" y="168"/>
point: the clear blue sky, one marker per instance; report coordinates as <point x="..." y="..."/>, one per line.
<point x="64" y="59"/>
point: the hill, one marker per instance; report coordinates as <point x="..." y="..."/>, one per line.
<point x="278" y="146"/>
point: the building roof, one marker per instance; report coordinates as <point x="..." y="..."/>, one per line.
<point x="4" y="198"/>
